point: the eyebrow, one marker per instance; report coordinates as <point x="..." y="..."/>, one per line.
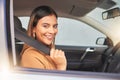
<point x="49" y="24"/>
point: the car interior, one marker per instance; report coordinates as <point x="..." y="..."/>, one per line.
<point x="18" y="43"/>
<point x="93" y="59"/>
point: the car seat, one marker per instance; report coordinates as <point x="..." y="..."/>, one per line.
<point x="112" y="60"/>
<point x="18" y="43"/>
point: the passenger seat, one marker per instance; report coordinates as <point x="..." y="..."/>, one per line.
<point x="18" y="43"/>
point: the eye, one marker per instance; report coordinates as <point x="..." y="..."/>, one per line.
<point x="45" y="25"/>
<point x="55" y="26"/>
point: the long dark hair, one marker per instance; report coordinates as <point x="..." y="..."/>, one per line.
<point x="37" y="14"/>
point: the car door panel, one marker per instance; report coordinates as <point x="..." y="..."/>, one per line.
<point x="90" y="62"/>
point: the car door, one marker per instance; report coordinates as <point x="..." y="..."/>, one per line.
<point x="78" y="40"/>
<point x="8" y="69"/>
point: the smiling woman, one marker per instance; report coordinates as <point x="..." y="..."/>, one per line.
<point x="43" y="27"/>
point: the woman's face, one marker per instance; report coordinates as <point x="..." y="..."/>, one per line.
<point x="46" y="29"/>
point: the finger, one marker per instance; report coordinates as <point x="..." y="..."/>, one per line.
<point x="52" y="51"/>
<point x="56" y="53"/>
<point x="61" y="52"/>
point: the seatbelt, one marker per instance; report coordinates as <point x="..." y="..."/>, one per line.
<point x="110" y="57"/>
<point x="22" y="36"/>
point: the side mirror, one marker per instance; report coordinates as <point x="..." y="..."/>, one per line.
<point x="104" y="41"/>
<point x="100" y="41"/>
<point x="111" y="13"/>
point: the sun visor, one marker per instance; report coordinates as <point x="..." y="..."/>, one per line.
<point x="83" y="7"/>
<point x="79" y="11"/>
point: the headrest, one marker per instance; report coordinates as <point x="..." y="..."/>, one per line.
<point x="17" y="22"/>
<point x="18" y="25"/>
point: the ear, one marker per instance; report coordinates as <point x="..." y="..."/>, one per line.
<point x="34" y="30"/>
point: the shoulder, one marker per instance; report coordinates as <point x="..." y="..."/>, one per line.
<point x="32" y="52"/>
<point x="32" y="58"/>
<point x="36" y="59"/>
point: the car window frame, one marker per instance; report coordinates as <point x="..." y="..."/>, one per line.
<point x="69" y="74"/>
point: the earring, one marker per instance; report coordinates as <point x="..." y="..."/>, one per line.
<point x="34" y="35"/>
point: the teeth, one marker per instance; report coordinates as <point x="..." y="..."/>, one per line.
<point x="49" y="36"/>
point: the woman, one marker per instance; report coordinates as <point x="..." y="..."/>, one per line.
<point x="43" y="27"/>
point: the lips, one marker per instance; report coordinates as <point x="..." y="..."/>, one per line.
<point x="49" y="37"/>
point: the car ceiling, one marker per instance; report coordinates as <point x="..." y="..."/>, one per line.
<point x="66" y="8"/>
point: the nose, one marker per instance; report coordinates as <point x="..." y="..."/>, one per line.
<point x="51" y="30"/>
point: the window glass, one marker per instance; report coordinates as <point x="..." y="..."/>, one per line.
<point x="24" y="21"/>
<point x="76" y="33"/>
<point x="72" y="32"/>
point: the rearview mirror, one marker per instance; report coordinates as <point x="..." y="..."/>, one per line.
<point x="111" y="13"/>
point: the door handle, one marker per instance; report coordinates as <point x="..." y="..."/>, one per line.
<point x="90" y="50"/>
<point x="85" y="53"/>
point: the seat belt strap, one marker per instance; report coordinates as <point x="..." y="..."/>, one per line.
<point x="115" y="48"/>
<point x="109" y="58"/>
<point x="22" y="36"/>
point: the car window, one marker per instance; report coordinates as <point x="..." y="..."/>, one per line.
<point x="72" y="32"/>
<point x="76" y="38"/>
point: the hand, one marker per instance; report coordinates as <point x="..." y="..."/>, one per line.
<point x="59" y="58"/>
